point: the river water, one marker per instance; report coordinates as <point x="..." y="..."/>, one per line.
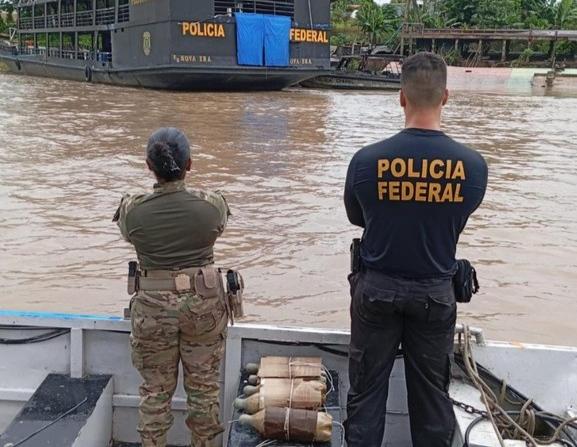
<point x="69" y="150"/>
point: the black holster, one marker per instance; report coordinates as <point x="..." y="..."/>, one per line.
<point x="132" y="284"/>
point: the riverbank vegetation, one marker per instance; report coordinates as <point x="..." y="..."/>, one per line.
<point x="6" y="17"/>
<point x="363" y="22"/>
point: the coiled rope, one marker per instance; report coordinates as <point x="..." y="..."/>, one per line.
<point x="523" y="425"/>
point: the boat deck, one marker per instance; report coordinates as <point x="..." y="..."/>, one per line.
<point x="86" y="346"/>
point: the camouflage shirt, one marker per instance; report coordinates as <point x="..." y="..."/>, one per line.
<point x="173" y="227"/>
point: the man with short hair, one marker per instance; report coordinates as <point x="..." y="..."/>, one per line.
<point x="412" y="194"/>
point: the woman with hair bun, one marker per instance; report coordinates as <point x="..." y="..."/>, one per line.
<point x="178" y="310"/>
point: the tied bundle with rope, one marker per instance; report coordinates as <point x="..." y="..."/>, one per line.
<point x="288" y="400"/>
<point x="290" y="393"/>
<point x="520" y="425"/>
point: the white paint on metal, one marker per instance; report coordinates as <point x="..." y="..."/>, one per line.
<point x="15" y="394"/>
<point x="232" y="364"/>
<point x="97" y="431"/>
<point x="76" y="353"/>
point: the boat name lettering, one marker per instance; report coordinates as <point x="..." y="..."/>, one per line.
<point x="301" y="61"/>
<point x="197" y="29"/>
<point x="398" y="180"/>
<point x="191" y="59"/>
<point x="309" y="35"/>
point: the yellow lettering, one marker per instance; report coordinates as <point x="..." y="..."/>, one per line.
<point x="394" y="191"/>
<point x="458" y="196"/>
<point x="407" y="191"/>
<point x="398" y="167"/>
<point x="449" y="168"/>
<point x="382" y="190"/>
<point x="424" y="167"/>
<point x="309" y="35"/>
<point x="434" y="192"/>
<point x="202" y="29"/>
<point x="436" y="173"/>
<point x="411" y="169"/>
<point x="448" y="193"/>
<point x="421" y="192"/>
<point x="459" y="171"/>
<point x="383" y="167"/>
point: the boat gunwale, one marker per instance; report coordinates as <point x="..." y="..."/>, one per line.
<point x="237" y="332"/>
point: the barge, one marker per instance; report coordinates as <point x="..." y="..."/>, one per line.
<point x="172" y="44"/>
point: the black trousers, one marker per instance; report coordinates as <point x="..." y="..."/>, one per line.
<point x="419" y="315"/>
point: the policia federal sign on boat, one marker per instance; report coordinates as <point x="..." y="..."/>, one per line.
<point x="173" y="44"/>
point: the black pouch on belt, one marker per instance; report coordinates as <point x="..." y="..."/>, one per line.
<point x="465" y="281"/>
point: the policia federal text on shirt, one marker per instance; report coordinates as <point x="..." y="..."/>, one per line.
<point x="412" y="194"/>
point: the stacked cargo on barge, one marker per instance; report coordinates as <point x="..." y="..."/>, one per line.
<point x="173" y="44"/>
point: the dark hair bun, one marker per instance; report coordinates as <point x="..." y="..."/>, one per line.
<point x="167" y="167"/>
<point x="168" y="151"/>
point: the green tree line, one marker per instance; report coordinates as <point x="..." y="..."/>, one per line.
<point x="8" y="7"/>
<point x="379" y="24"/>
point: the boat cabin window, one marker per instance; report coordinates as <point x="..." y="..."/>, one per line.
<point x="123" y="11"/>
<point x="84" y="13"/>
<point x="26" y="43"/>
<point x="52" y="15"/>
<point x="85" y="45"/>
<point x="39" y="17"/>
<point x="54" y="44"/>
<point x="105" y="11"/>
<point x="25" y="17"/>
<point x="272" y="7"/>
<point x="68" y="46"/>
<point x="104" y="47"/>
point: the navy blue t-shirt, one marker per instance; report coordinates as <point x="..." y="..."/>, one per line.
<point x="413" y="194"/>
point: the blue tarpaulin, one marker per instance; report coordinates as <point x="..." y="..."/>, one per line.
<point x="277" y="41"/>
<point x="250" y="39"/>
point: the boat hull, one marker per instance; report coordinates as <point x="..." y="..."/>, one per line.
<point x="163" y="77"/>
<point x="93" y="345"/>
<point x="352" y="82"/>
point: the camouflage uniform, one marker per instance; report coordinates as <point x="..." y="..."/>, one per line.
<point x="174" y="228"/>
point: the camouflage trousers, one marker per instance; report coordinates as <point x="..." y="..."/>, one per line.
<point x="168" y="328"/>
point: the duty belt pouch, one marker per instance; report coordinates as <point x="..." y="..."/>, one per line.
<point x="207" y="282"/>
<point x="465" y="281"/>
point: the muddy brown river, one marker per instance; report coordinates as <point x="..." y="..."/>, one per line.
<point x="69" y="150"/>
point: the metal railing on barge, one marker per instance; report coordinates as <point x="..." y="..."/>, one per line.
<point x="84" y="55"/>
<point x="102" y="16"/>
